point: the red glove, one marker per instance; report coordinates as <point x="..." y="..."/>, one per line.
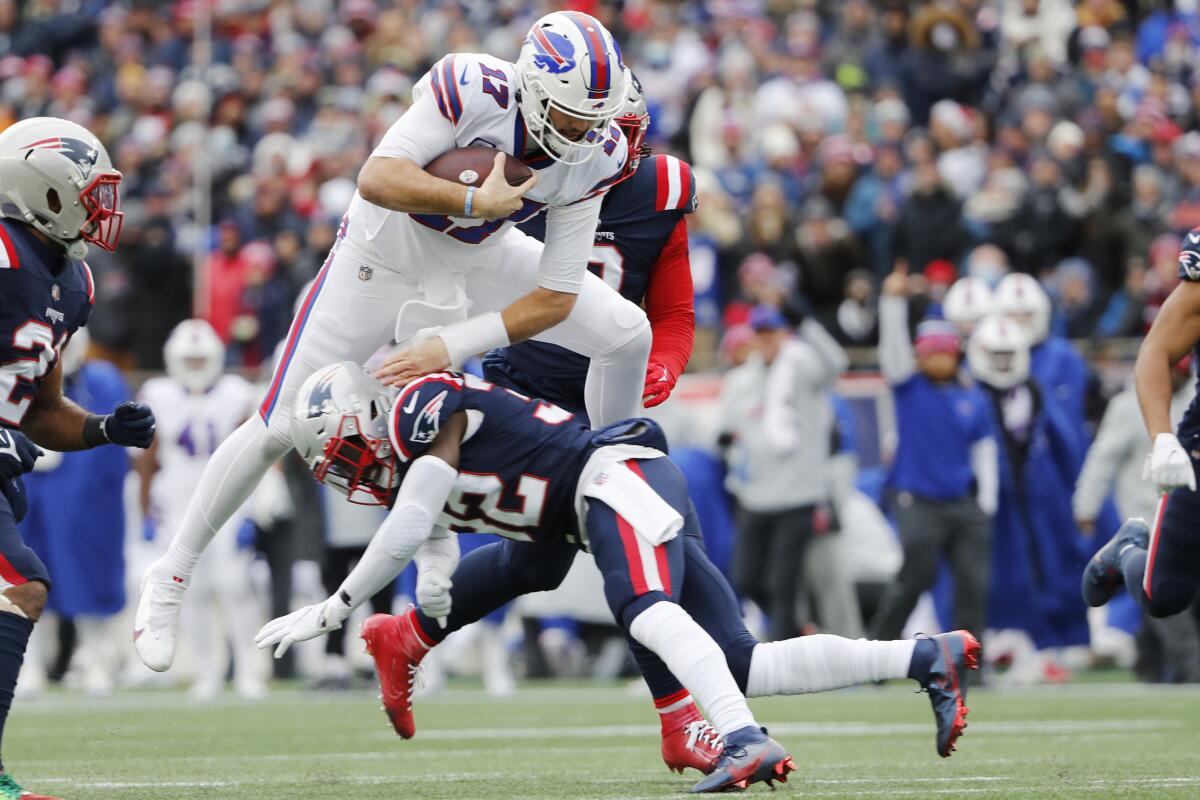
<point x="659" y="383"/>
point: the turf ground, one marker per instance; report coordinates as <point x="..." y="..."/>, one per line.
<point x="1084" y="741"/>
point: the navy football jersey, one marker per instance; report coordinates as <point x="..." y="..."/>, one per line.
<point x="518" y="465"/>
<point x="44" y="298"/>
<point x="636" y="220"/>
<point x="1189" y="270"/>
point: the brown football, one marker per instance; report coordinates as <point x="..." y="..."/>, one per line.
<point x="470" y="165"/>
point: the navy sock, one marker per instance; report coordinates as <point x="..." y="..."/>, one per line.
<point x="14" y="636"/>
<point x="924" y="654"/>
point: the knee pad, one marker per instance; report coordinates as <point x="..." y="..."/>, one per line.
<point x="631" y="334"/>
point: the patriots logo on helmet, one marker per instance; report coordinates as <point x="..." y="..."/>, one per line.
<point x="83" y="154"/>
<point x="428" y="422"/>
<point x="1189" y="265"/>
<point x="555" y="53"/>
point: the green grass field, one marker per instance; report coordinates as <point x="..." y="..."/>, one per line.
<point x="1084" y="741"/>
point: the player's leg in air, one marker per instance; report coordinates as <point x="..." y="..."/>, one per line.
<point x="342" y="317"/>
<point x="1159" y="564"/>
<point x="603" y="326"/>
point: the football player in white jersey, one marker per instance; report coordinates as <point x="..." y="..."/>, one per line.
<point x="199" y="407"/>
<point x="415" y="253"/>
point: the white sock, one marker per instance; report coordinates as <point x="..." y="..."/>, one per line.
<point x="231" y="474"/>
<point x="697" y="661"/>
<point x="823" y="662"/>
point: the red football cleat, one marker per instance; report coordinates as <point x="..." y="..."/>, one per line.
<point x="397" y="645"/>
<point x="689" y="741"/>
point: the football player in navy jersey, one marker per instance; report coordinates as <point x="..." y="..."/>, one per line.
<point x="1159" y="563"/>
<point x="58" y="195"/>
<point x="457" y="454"/>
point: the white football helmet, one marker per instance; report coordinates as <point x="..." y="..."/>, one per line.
<point x="1021" y="297"/>
<point x="339" y="426"/>
<point x="968" y="301"/>
<point x="569" y="62"/>
<point x="75" y="353"/>
<point x="998" y="352"/>
<point x="57" y="176"/>
<point x="195" y="355"/>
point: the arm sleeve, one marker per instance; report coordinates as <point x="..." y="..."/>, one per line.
<point x="896" y="359"/>
<point x="985" y="465"/>
<point x="669" y="303"/>
<point x="424" y="492"/>
<point x="420" y="135"/>
<point x="1119" y="432"/>
<point x="570" y="231"/>
<point x="831" y="360"/>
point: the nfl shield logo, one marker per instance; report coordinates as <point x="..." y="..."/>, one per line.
<point x="365" y="273"/>
<point x="55" y="293"/>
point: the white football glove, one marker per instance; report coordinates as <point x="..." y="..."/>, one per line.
<point x="307" y="623"/>
<point x="433" y="594"/>
<point x="1169" y="465"/>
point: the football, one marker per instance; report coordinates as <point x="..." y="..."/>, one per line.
<point x="470" y="165"/>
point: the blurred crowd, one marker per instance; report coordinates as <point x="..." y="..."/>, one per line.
<point x="858" y="164"/>
<point x="831" y="140"/>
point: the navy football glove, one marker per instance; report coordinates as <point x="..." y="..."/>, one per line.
<point x="17" y="453"/>
<point x="130" y="425"/>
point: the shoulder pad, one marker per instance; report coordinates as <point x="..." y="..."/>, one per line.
<point x="444" y="77"/>
<point x="420" y="411"/>
<point x="675" y="188"/>
<point x="1189" y="257"/>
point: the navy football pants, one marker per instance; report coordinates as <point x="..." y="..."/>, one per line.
<point x="18" y="563"/>
<point x="1164" y="578"/>
<point x="678" y="571"/>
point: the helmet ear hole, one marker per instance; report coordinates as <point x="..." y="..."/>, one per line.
<point x="53" y="202"/>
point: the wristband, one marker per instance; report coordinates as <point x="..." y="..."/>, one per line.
<point x="475" y="335"/>
<point x="94" y="434"/>
<point x="469" y="203"/>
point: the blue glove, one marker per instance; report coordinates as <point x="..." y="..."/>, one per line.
<point x="17" y="453"/>
<point x="130" y="425"/>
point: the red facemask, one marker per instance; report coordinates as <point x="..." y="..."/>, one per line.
<point x="102" y="199"/>
<point x="634" y="128"/>
<point x="362" y="466"/>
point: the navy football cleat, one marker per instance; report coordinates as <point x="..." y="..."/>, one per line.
<point x="749" y="756"/>
<point x="1102" y="576"/>
<point x="946" y="684"/>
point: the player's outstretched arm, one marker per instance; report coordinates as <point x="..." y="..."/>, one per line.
<point x="1175" y="331"/>
<point x="55" y="422"/>
<point x="896" y="359"/>
<point x="424" y="491"/>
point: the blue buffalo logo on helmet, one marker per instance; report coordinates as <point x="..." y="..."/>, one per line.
<point x="555" y="53"/>
<point x="82" y="153"/>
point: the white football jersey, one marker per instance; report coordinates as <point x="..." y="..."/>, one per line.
<point x="470" y="99"/>
<point x="190" y="426"/>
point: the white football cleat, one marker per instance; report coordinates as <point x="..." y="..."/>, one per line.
<point x="157" y="617"/>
